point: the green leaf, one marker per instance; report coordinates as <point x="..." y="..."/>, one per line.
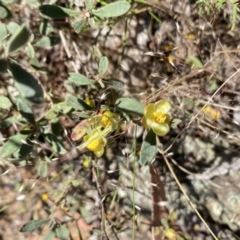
<point x="7" y="1"/>
<point x="103" y="65"/>
<point x="78" y="25"/>
<point x="89" y="4"/>
<point x="3" y="32"/>
<point x="30" y="51"/>
<point x="33" y="3"/>
<point x="4" y="12"/>
<point x="55" y="143"/>
<point x="33" y="225"/>
<point x="24" y="150"/>
<point x="114" y="84"/>
<point x="13" y="27"/>
<point x="62" y="232"/>
<point x="57" y="109"/>
<point x="12" y="145"/>
<point x="47" y="41"/>
<point x="79" y="79"/>
<point x="50" y="236"/>
<point x="3" y="64"/>
<point x="7" y="122"/>
<point x="25" y="111"/>
<point x="148" y="149"/>
<point x="195" y="61"/>
<point x="130" y="105"/>
<point x="26" y="84"/>
<point x="77" y="104"/>
<point x="56" y="12"/>
<point x="175" y="122"/>
<point x="91" y="22"/>
<point x="114" y="9"/>
<point x="5" y="103"/>
<point x="45" y="27"/>
<point x="18" y="39"/>
<point x="42" y="168"/>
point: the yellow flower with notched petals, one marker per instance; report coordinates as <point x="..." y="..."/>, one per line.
<point x="95" y="142"/>
<point x="157" y="118"/>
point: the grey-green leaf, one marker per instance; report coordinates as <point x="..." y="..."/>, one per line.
<point x="4" y="12"/>
<point x="33" y="225"/>
<point x="114" y="9"/>
<point x="5" y="103"/>
<point x="62" y="232"/>
<point x="3" y="32"/>
<point x="33" y="3"/>
<point x="24" y="150"/>
<point x="18" y="40"/>
<point x="3" y="64"/>
<point x="103" y="65"/>
<point x="57" y="109"/>
<point x="30" y="51"/>
<point x="56" y="12"/>
<point x="55" y="143"/>
<point x="78" y="25"/>
<point x="13" y="27"/>
<point x="42" y="169"/>
<point x="47" y="41"/>
<point x="45" y="27"/>
<point x="79" y="79"/>
<point x="77" y="104"/>
<point x="114" y="84"/>
<point x="26" y="84"/>
<point x="12" y="145"/>
<point x="130" y="105"/>
<point x="148" y="149"/>
<point x="25" y="111"/>
<point x="89" y="4"/>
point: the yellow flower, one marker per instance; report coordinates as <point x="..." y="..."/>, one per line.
<point x="212" y="113"/>
<point x="95" y="142"/>
<point x="157" y="118"/>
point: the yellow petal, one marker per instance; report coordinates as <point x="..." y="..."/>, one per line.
<point x="149" y="109"/>
<point x="160" y="129"/>
<point x="162" y="106"/>
<point x="147" y="122"/>
<point x="100" y="152"/>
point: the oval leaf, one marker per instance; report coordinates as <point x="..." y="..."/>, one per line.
<point x="60" y="108"/>
<point x="114" y="84"/>
<point x="3" y="31"/>
<point x="77" y="103"/>
<point x="78" y="25"/>
<point x="24" y="150"/>
<point x="62" y="232"/>
<point x="13" y="144"/>
<point x="4" y="12"/>
<point x="18" y="40"/>
<point x="30" y="51"/>
<point x="33" y="225"/>
<point x="114" y="9"/>
<point x="80" y="130"/>
<point x="13" y="27"/>
<point x="5" y="103"/>
<point x="47" y="41"/>
<point x="79" y="79"/>
<point x="130" y="105"/>
<point x="56" y="12"/>
<point x="26" y="84"/>
<point x="89" y="4"/>
<point x="55" y="143"/>
<point x="25" y="111"/>
<point x="42" y="169"/>
<point x="103" y="65"/>
<point x="148" y="149"/>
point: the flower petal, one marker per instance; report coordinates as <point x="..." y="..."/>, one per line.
<point x="162" y="106"/>
<point x="160" y="129"/>
<point x="149" y="109"/>
<point x="100" y="152"/>
<point x="147" y="122"/>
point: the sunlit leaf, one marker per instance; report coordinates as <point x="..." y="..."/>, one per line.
<point x="55" y="143"/>
<point x="45" y="27"/>
<point x="4" y="12"/>
<point x="3" y="32"/>
<point x="18" y="39"/>
<point x="42" y="168"/>
<point x="78" y="25"/>
<point x="57" y="109"/>
<point x="114" y="84"/>
<point x="47" y="41"/>
<point x="12" y="145"/>
<point x="89" y="4"/>
<point x="130" y="105"/>
<point x="33" y="3"/>
<point x="26" y="83"/>
<point x="103" y="65"/>
<point x="5" y="103"/>
<point x="56" y="12"/>
<point x="13" y="27"/>
<point x="148" y="149"/>
<point x="79" y="79"/>
<point x="33" y="225"/>
<point x="195" y="61"/>
<point x="62" y="232"/>
<point x="77" y="103"/>
<point x="114" y="9"/>
<point x="30" y="51"/>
